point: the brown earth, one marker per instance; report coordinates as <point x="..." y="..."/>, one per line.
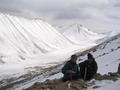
<point x="72" y="85"/>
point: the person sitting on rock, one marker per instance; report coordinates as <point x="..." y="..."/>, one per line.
<point x="70" y="69"/>
<point x="88" y="68"/>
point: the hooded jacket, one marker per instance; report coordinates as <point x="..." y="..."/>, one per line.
<point x="70" y="66"/>
<point x="88" y="69"/>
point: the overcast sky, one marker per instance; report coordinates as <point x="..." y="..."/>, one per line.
<point x="97" y="15"/>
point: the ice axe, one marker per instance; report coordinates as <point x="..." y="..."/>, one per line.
<point x="85" y="73"/>
<point x="118" y="69"/>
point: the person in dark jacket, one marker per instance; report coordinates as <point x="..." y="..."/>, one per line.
<point x="70" y="69"/>
<point x="88" y="68"/>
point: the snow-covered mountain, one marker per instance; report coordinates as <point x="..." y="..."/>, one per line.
<point x="29" y="43"/>
<point x="79" y="34"/>
<point x="22" y="38"/>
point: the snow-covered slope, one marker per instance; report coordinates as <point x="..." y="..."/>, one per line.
<point x="107" y="55"/>
<point x="79" y="34"/>
<point x="24" y="37"/>
<point x="108" y="58"/>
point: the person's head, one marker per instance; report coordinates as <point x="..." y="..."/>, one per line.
<point x="74" y="58"/>
<point x="90" y="56"/>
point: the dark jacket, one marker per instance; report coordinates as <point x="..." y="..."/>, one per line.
<point x="70" y="66"/>
<point x="88" y="69"/>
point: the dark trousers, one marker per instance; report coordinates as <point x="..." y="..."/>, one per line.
<point x="70" y="76"/>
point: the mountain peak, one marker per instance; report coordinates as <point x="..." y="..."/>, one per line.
<point x="78" y="33"/>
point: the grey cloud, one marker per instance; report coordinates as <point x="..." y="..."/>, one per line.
<point x="101" y="11"/>
<point x="117" y="5"/>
